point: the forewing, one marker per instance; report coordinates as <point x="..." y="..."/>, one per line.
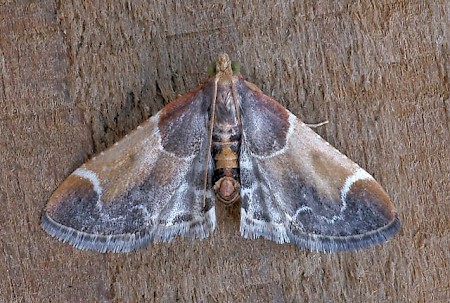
<point x="297" y="188"/>
<point x="147" y="187"/>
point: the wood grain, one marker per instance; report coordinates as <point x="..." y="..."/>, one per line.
<point x="76" y="76"/>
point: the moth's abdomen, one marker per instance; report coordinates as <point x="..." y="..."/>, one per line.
<point x="225" y="152"/>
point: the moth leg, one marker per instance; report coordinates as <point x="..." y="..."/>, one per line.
<point x="316" y="125"/>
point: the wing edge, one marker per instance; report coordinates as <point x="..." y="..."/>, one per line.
<point x="348" y="243"/>
<point x="123" y="243"/>
<point x="281" y="233"/>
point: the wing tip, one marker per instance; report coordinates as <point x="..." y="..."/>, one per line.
<point x="351" y="243"/>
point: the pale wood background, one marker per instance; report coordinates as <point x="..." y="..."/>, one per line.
<point x="76" y="76"/>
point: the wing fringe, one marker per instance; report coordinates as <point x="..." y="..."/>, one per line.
<point x="128" y="242"/>
<point x="282" y="234"/>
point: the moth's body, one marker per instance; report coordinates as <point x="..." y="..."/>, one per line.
<point x="224" y="140"/>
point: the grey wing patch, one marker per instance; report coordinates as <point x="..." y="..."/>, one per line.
<point x="261" y="213"/>
<point x="140" y="190"/>
<point x="296" y="188"/>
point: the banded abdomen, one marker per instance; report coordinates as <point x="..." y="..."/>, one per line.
<point x="225" y="147"/>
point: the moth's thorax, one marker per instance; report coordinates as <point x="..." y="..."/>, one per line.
<point x="225" y="144"/>
<point x="226" y="114"/>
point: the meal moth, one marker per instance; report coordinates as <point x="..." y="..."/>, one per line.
<point x="226" y="141"/>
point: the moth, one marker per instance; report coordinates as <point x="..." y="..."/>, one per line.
<point x="226" y="141"/>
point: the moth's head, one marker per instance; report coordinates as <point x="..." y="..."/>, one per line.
<point x="224" y="65"/>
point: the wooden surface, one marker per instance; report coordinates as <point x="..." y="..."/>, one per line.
<point x="76" y="76"/>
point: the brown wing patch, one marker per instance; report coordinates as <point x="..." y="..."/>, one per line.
<point x="328" y="176"/>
